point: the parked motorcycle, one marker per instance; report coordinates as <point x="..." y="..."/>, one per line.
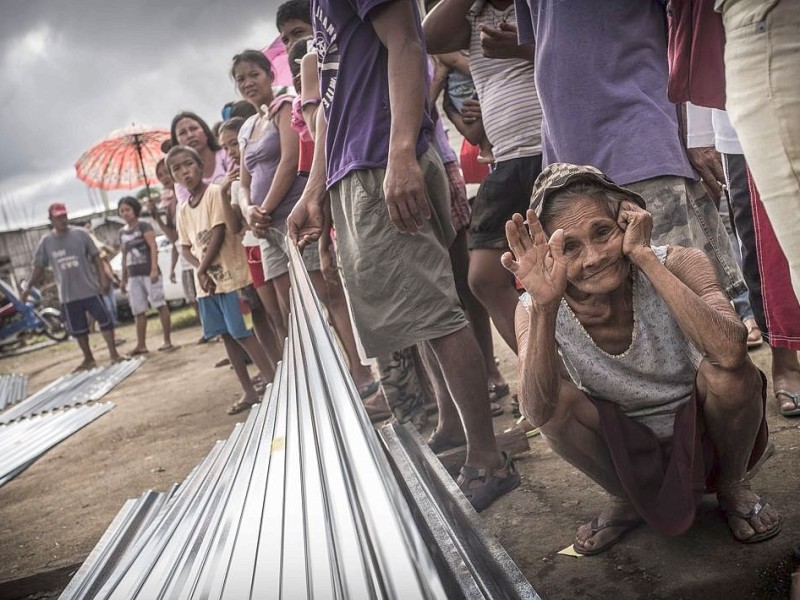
<point x="21" y="320"/>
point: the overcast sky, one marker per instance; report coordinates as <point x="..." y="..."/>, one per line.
<point x="71" y="72"/>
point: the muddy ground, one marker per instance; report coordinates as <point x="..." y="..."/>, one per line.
<point x="170" y="412"/>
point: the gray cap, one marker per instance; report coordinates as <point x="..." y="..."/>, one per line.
<point x="557" y="176"/>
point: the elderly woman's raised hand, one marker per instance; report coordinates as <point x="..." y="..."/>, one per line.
<point x="539" y="264"/>
<point x="637" y="224"/>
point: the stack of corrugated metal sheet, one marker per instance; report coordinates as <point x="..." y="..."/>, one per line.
<point x="21" y="443"/>
<point x="13" y="388"/>
<point x="72" y="389"/>
<point x="299" y="502"/>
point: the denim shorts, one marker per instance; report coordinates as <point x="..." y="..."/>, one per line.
<point x="221" y="314"/>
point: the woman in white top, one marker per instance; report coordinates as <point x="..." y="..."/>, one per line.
<point x="633" y="363"/>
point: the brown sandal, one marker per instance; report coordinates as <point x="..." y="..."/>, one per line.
<point x="492" y="486"/>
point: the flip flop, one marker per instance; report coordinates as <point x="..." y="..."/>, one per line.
<point x="625" y="524"/>
<point x="757" y="507"/>
<point x="754" y="337"/>
<point x="168" y="348"/>
<point x="793" y="397"/>
<point x="492" y="487"/>
<point x="138" y="352"/>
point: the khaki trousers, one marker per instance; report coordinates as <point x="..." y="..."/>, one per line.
<point x="762" y="69"/>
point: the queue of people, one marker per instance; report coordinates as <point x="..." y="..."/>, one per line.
<point x="595" y="244"/>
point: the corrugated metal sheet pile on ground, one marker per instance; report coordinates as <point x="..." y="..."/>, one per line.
<point x="13" y="389"/>
<point x="31" y="427"/>
<point x="299" y="502"/>
<point x="72" y="389"/>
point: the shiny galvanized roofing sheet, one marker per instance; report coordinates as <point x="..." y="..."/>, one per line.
<point x="299" y="502"/>
<point x="23" y="442"/>
<point x="13" y="389"/>
<point x="72" y="389"/>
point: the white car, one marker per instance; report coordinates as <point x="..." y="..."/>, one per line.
<point x="173" y="292"/>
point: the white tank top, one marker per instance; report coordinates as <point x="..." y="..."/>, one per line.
<point x="650" y="380"/>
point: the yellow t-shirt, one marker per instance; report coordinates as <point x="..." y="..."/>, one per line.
<point x="229" y="271"/>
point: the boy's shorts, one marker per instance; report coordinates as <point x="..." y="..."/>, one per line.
<point x="220" y="314"/>
<point x="187" y="281"/>
<point x="74" y="314"/>
<point x="275" y="257"/>
<point x="505" y="191"/>
<point x="142" y="291"/>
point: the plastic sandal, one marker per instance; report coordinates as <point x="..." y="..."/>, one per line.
<point x="757" y="507"/>
<point x="793" y="397"/>
<point x="625" y="524"/>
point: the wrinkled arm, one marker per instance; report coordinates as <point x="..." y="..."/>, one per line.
<point x="689" y="286"/>
<point x="541" y="372"/>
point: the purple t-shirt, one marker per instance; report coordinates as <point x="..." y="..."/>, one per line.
<point x="220" y="168"/>
<point x="355" y="87"/>
<point x="601" y="74"/>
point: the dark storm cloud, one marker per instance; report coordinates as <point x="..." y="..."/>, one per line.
<point x="71" y="72"/>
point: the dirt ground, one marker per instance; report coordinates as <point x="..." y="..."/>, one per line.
<point x="170" y="412"/>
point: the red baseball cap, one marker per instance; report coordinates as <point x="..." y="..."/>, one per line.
<point x="56" y="209"/>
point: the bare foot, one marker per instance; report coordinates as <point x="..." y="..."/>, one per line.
<point x="750" y="517"/>
<point x="85" y="366"/>
<point x="606" y="529"/>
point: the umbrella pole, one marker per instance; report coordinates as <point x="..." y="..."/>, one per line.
<point x="137" y="139"/>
